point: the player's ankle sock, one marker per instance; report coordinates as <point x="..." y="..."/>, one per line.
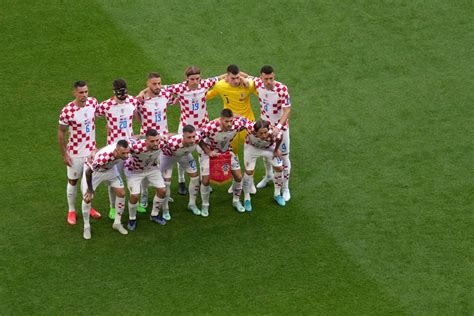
<point x="86" y="211"/>
<point x="193" y="190"/>
<point x="181" y="173"/>
<point x="157" y="204"/>
<point x="277" y="182"/>
<point x="119" y="207"/>
<point x="205" y="191"/>
<point x="132" y="210"/>
<point x="167" y="196"/>
<point x="247" y="185"/>
<point x="71" y="191"/>
<point x="112" y="197"/>
<point x="237" y="188"/>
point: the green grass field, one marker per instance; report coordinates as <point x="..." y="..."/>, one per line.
<point x="381" y="216"/>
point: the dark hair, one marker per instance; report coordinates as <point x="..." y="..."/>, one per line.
<point x="188" y="129"/>
<point x="267" y="69"/>
<point x="151" y="132"/>
<point x="192" y="70"/>
<point x="79" y="84"/>
<point x="260" y="124"/>
<point x="122" y="143"/>
<point x="152" y="75"/>
<point x="119" y="84"/>
<point x="233" y="69"/>
<point x="226" y="113"/>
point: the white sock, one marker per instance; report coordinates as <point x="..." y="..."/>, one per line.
<point x="205" y="191"/>
<point x="167" y="196"/>
<point x="119" y="207"/>
<point x="286" y="171"/>
<point x="157" y="204"/>
<point x="237" y="188"/>
<point x="86" y="211"/>
<point x="248" y="181"/>
<point x="132" y="210"/>
<point x="112" y="197"/>
<point x="181" y="172"/>
<point x="193" y="190"/>
<point x="71" y="192"/>
<point x="144" y="191"/>
<point x="277" y="181"/>
<point x="268" y="168"/>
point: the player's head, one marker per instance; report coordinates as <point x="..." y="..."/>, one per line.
<point x="268" y="77"/>
<point x="227" y="117"/>
<point x="120" y="89"/>
<point x="189" y="135"/>
<point x="193" y="76"/>
<point x="81" y="92"/>
<point x="232" y="76"/>
<point x="261" y="128"/>
<point x="154" y="82"/>
<point x="122" y="149"/>
<point x="152" y="139"/>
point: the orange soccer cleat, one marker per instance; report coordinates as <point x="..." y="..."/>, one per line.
<point x="95" y="214"/>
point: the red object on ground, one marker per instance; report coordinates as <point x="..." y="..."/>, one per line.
<point x="220" y="171"/>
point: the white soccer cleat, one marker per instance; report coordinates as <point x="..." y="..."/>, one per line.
<point x="264" y="182"/>
<point x="87" y="233"/>
<point x="120" y="229"/>
<point x="286" y="194"/>
<point x="238" y="206"/>
<point x="253" y="189"/>
<point x="205" y="211"/>
<point x="166" y="215"/>
<point x="231" y="189"/>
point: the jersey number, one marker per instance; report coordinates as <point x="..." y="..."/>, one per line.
<point x="157" y="117"/>
<point x="123" y="124"/>
<point x="88" y="127"/>
<point x="195" y="105"/>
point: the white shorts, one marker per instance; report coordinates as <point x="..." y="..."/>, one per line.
<point x="112" y="177"/>
<point x="167" y="163"/>
<point x="204" y="162"/>
<point x="77" y="167"/>
<point x="285" y="143"/>
<point x="153" y="177"/>
<point x="251" y="153"/>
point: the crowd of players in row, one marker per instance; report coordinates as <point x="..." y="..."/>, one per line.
<point x="148" y="160"/>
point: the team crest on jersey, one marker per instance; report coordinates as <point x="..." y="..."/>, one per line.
<point x="225" y="168"/>
<point x="156" y="104"/>
<point x="85" y="115"/>
<point x="122" y="111"/>
<point x="194" y="95"/>
<point x="266" y="95"/>
<point x="242" y="96"/>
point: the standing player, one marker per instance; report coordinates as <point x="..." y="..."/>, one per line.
<point x="104" y="168"/>
<point x="152" y="105"/>
<point x="217" y="136"/>
<point x="275" y="107"/>
<point x="143" y="165"/>
<point x="79" y="117"/>
<point x="179" y="148"/>
<point x="262" y="143"/>
<point x="119" y="112"/>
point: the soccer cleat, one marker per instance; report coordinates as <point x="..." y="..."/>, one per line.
<point x="95" y="214"/>
<point x="141" y="209"/>
<point x="238" y="206"/>
<point x="248" y="205"/>
<point x="112" y="213"/>
<point x="170" y="199"/>
<point x="71" y="218"/>
<point x="205" y="211"/>
<point x="166" y="215"/>
<point x="87" y="233"/>
<point x="230" y="190"/>
<point x="286" y="194"/>
<point x="253" y="189"/>
<point x="157" y="219"/>
<point x="132" y="224"/>
<point x="182" y="188"/>
<point x="264" y="182"/>
<point x="280" y="200"/>
<point x="194" y="209"/>
<point x="119" y="227"/>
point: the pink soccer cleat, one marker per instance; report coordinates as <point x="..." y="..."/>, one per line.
<point x="95" y="214"/>
<point x="71" y="218"/>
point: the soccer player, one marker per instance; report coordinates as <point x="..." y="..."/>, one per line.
<point x="79" y="117"/>
<point x="179" y="148"/>
<point x="119" y="112"/>
<point x="104" y="168"/>
<point x="262" y="143"/>
<point x="152" y="106"/>
<point x="275" y="107"/>
<point x="143" y="165"/>
<point x="217" y="136"/>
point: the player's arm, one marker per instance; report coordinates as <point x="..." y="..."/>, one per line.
<point x="62" y="144"/>
<point x="282" y="121"/>
<point x="211" y="94"/>
<point x="90" y="191"/>
<point x="277" y="152"/>
<point x="207" y="150"/>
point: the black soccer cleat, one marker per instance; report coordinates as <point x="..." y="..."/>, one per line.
<point x="182" y="188"/>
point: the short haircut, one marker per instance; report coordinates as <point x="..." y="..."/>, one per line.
<point x="188" y="129"/>
<point x="226" y="113"/>
<point x="151" y="132"/>
<point x="79" y="84"/>
<point x="119" y="84"/>
<point x="192" y="70"/>
<point x="152" y="75"/>
<point x="122" y="143"/>
<point x="261" y="124"/>
<point x="267" y="69"/>
<point x="233" y="69"/>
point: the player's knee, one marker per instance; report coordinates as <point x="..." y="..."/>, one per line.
<point x="134" y="198"/>
<point x="278" y="169"/>
<point x="205" y="180"/>
<point x="238" y="177"/>
<point x="193" y="174"/>
<point x="249" y="172"/>
<point x="120" y="192"/>
<point x="72" y="182"/>
<point x="161" y="192"/>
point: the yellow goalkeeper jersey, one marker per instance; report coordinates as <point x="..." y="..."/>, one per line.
<point x="235" y="98"/>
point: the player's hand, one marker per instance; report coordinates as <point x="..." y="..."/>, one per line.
<point x="88" y="196"/>
<point x="164" y="137"/>
<point x="245" y="83"/>
<point x="276" y="130"/>
<point x="141" y="95"/>
<point x="277" y="153"/>
<point x="213" y="154"/>
<point x="67" y="160"/>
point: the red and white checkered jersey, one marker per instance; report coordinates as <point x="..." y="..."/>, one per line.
<point x="193" y="102"/>
<point x="141" y="158"/>
<point x="152" y="110"/>
<point x="219" y="140"/>
<point x="81" y="122"/>
<point x="174" y="145"/>
<point x="119" y="117"/>
<point x="268" y="143"/>
<point x="104" y="159"/>
<point x="273" y="101"/>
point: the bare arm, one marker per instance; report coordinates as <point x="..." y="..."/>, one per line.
<point x="284" y="117"/>
<point x="62" y="144"/>
<point x="90" y="191"/>
<point x="207" y="150"/>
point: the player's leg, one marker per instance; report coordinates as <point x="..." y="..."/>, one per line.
<point x="144" y="197"/>
<point x="73" y="173"/>
<point x="285" y="152"/>
<point x="189" y="163"/>
<point x="111" y="191"/>
<point x="156" y="180"/>
<point x="250" y="158"/>
<point x="205" y="187"/>
<point x="237" y="183"/>
<point x="268" y="177"/>
<point x="181" y="171"/>
<point x="158" y="205"/>
<point x="115" y="181"/>
<point x="87" y="202"/>
<point x="237" y="143"/>
<point x="135" y="184"/>
<point x="277" y="182"/>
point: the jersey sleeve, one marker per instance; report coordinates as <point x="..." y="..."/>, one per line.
<point x="284" y="97"/>
<point x="214" y="92"/>
<point x="99" y="161"/>
<point x="209" y="82"/>
<point x="252" y="88"/>
<point x="64" y="116"/>
<point x="244" y="124"/>
<point x="101" y="108"/>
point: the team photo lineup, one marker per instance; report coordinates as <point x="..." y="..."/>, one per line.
<point x="139" y="164"/>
